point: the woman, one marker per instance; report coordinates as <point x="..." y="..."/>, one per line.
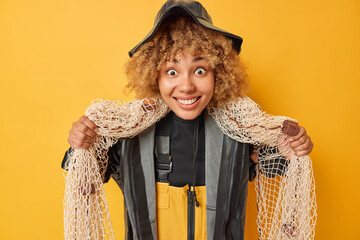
<point x="201" y="174"/>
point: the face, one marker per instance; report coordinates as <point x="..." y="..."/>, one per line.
<point x="187" y="85"/>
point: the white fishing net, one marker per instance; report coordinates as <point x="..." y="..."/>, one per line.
<point x="86" y="214"/>
<point x="285" y="184"/>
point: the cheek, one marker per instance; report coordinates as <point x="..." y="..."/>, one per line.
<point x="210" y="86"/>
<point x="164" y="87"/>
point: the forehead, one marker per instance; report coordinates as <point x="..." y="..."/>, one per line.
<point x="185" y="61"/>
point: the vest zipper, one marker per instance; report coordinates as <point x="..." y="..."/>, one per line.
<point x="191" y="195"/>
<point x="192" y="202"/>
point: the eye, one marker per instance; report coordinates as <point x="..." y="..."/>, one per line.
<point x="171" y="72"/>
<point x="200" y="71"/>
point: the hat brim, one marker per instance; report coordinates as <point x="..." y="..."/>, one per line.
<point x="179" y="10"/>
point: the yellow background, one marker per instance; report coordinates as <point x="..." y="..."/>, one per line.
<point x="56" y="56"/>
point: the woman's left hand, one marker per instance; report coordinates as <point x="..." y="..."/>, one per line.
<point x="301" y="144"/>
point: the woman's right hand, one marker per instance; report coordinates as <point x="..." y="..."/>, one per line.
<point x="82" y="134"/>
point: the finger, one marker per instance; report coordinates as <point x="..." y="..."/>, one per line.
<point x="82" y="137"/>
<point x="90" y="124"/>
<point x="304" y="146"/>
<point x="304" y="152"/>
<point x="296" y="143"/>
<point x="76" y="144"/>
<point x="301" y="132"/>
<point x="81" y="127"/>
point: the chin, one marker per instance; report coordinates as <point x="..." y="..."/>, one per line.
<point x="187" y="115"/>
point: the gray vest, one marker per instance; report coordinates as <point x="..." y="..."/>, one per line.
<point x="228" y="169"/>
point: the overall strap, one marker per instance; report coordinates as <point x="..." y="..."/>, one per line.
<point x="163" y="163"/>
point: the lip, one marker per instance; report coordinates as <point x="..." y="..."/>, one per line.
<point x="188" y="106"/>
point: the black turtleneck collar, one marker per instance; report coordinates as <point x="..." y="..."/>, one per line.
<point x="182" y="149"/>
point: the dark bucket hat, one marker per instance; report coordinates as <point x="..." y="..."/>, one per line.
<point x="187" y="8"/>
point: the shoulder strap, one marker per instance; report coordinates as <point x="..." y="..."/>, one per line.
<point x="163" y="163"/>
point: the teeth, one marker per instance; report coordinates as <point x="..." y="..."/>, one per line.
<point x="187" y="102"/>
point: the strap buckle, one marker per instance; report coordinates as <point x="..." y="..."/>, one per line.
<point x="164" y="167"/>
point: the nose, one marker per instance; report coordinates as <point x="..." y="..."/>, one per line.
<point x="186" y="84"/>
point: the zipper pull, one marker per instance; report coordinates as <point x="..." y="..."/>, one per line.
<point x="196" y="202"/>
<point x="194" y="198"/>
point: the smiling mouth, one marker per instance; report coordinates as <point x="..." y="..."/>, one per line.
<point x="187" y="101"/>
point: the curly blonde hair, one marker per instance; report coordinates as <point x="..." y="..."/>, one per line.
<point x="169" y="42"/>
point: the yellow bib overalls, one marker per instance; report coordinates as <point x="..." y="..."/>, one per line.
<point x="172" y="212"/>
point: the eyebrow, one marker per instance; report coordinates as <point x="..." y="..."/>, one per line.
<point x="197" y="59"/>
<point x="194" y="60"/>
